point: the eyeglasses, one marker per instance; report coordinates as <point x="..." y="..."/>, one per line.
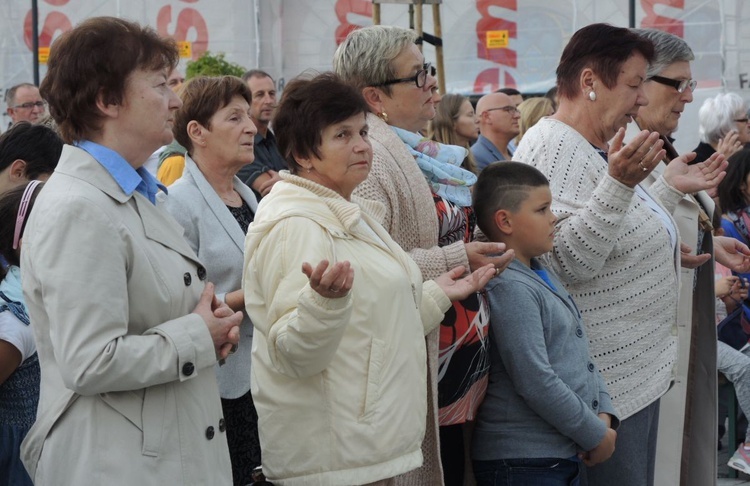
<point x="742" y="120"/>
<point x="507" y="109"/>
<point x="679" y="85"/>
<point x="419" y="79"/>
<point x="31" y="104"/>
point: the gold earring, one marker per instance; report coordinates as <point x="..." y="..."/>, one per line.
<point x="383" y="116"/>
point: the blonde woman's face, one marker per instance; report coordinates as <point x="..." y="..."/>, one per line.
<point x="467" y="123"/>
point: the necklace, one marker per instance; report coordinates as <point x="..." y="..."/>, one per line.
<point x="235" y="199"/>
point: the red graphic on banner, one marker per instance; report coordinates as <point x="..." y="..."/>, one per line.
<point x="188" y="20"/>
<point x="495" y="78"/>
<point x="652" y="20"/>
<point x="55" y="22"/>
<point x="345" y="7"/>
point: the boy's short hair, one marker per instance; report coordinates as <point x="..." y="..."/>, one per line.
<point x="503" y="185"/>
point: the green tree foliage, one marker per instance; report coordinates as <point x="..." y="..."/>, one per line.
<point x="212" y="65"/>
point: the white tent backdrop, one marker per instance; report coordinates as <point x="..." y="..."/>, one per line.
<point x="286" y="37"/>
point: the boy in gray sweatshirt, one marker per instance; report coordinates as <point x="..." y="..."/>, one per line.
<point x="547" y="408"/>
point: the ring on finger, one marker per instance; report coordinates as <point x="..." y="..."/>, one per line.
<point x="643" y="168"/>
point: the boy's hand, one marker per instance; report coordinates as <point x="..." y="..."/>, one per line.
<point x="603" y="451"/>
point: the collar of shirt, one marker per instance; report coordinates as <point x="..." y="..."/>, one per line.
<point x="491" y="147"/>
<point x="128" y="178"/>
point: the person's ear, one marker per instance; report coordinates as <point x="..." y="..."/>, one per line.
<point x="504" y="221"/>
<point x="304" y="162"/>
<point x="107" y="109"/>
<point x="17" y="171"/>
<point x="197" y="133"/>
<point x="588" y="81"/>
<point x="374" y="98"/>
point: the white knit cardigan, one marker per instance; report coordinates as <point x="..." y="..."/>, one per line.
<point x="614" y="255"/>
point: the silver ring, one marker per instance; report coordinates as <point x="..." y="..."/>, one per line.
<point x="335" y="290"/>
<point x="642" y="167"/>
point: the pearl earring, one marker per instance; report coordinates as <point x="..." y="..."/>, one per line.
<point x="592" y="95"/>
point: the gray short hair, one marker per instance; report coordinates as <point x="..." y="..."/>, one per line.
<point x="668" y="49"/>
<point x="10" y="94"/>
<point x="716" y="116"/>
<point x="365" y="56"/>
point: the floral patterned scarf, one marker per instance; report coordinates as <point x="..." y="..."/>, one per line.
<point x="441" y="166"/>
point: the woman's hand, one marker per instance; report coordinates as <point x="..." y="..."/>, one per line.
<point x="457" y="288"/>
<point x="630" y="164"/>
<point x="331" y="283"/>
<point x="730" y="144"/>
<point x="702" y="176"/>
<point x="480" y="253"/>
<point x="222" y="322"/>
<point x="688" y="260"/>
<point x="732" y="253"/>
<point x="731" y="287"/>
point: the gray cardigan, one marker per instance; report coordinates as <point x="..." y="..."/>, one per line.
<point x="544" y="391"/>
<point x="219" y="242"/>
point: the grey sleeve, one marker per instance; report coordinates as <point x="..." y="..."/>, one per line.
<point x="518" y="332"/>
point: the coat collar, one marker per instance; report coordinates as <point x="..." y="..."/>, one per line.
<point x="157" y="224"/>
<point x="194" y="175"/>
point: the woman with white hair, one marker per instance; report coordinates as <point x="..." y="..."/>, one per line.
<point x="723" y="126"/>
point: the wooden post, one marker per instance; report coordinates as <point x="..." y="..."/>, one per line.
<point x="418" y="20"/>
<point x="439" y="48"/>
<point x="376" y="13"/>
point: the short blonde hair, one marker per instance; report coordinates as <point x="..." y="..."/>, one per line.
<point x="365" y="57"/>
<point x="532" y="110"/>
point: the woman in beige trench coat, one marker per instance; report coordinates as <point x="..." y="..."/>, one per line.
<point x="127" y="329"/>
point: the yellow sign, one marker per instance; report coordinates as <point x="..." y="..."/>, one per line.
<point x="497" y="39"/>
<point x="185" y="48"/>
<point x="43" y="55"/>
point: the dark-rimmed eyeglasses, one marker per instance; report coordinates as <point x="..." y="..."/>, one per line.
<point x="30" y="104"/>
<point x="419" y="79"/>
<point x="507" y="109"/>
<point x="679" y="84"/>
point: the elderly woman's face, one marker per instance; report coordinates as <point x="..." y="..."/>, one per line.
<point x="345" y="156"/>
<point x="147" y="110"/>
<point x="410" y="107"/>
<point x="665" y="103"/>
<point x="619" y="105"/>
<point x="229" y="141"/>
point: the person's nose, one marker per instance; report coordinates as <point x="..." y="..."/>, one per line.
<point x="175" y="102"/>
<point x="642" y="99"/>
<point x="250" y="126"/>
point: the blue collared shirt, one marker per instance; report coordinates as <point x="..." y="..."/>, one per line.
<point x="486" y="153"/>
<point x="128" y="178"/>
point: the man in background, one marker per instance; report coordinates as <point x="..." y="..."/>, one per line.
<point x="25" y="103"/>
<point x="263" y="173"/>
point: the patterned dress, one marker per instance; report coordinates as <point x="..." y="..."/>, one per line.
<point x="464" y="353"/>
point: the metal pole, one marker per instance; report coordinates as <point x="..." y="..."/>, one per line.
<point x="631" y="16"/>
<point x="35" y="39"/>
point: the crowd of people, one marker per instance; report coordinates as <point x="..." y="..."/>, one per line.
<point x="367" y="282"/>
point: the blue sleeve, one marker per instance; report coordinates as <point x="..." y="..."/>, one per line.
<point x="731" y="230"/>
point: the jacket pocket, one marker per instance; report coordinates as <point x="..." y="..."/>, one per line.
<point x="146" y="412"/>
<point x="374" y="371"/>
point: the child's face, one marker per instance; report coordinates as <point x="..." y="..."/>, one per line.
<point x="534" y="224"/>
